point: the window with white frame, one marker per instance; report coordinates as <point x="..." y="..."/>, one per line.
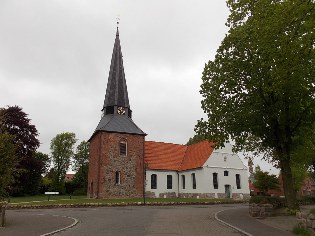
<point x="169" y="181"/>
<point x="215" y="180"/>
<point x="183" y="181"/>
<point x="193" y="178"/>
<point x="153" y="181"/>
<point x="238" y="181"/>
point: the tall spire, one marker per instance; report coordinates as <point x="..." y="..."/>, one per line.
<point x="116" y="92"/>
<point x="116" y="110"/>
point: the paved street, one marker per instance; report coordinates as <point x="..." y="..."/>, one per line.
<point x="140" y="220"/>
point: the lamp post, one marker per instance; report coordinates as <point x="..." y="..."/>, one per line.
<point x="145" y="165"/>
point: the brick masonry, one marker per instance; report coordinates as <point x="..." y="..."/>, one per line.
<point x="197" y="195"/>
<point x="105" y="161"/>
<point x="260" y="210"/>
<point x="167" y="195"/>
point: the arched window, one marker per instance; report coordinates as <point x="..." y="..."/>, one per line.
<point x="169" y="182"/>
<point x="215" y="180"/>
<point x="238" y="181"/>
<point x="193" y="180"/>
<point x="123" y="148"/>
<point x="117" y="177"/>
<point x="183" y="181"/>
<point x="153" y="181"/>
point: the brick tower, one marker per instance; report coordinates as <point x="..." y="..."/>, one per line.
<point x="117" y="144"/>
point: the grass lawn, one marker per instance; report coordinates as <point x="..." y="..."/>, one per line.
<point x="78" y="200"/>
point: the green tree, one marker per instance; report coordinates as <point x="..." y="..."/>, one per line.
<point x="7" y="163"/>
<point x="81" y="166"/>
<point x="45" y="160"/>
<point x="259" y="90"/>
<point x="264" y="181"/>
<point x="36" y="170"/>
<point x="196" y="139"/>
<point x="25" y="137"/>
<point x="304" y="154"/>
<point x="61" y="148"/>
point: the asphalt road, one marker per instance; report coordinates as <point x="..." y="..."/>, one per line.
<point x="137" y="221"/>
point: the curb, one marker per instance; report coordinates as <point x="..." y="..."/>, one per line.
<point x="231" y="226"/>
<point x="76" y="221"/>
<point x="83" y="205"/>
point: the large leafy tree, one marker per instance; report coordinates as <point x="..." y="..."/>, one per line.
<point x="81" y="166"/>
<point x="37" y="168"/>
<point x="45" y="162"/>
<point x="25" y="137"/>
<point x="61" y="147"/>
<point x="7" y="163"/>
<point x="259" y="90"/>
<point x="195" y="139"/>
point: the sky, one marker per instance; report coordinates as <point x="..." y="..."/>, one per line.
<point x="55" y="58"/>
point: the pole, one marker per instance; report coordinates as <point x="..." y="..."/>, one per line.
<point x="2" y="215"/>
<point x="144" y="170"/>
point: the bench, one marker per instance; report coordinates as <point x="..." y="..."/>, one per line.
<point x="51" y="193"/>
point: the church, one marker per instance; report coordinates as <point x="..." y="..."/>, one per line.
<point x="123" y="165"/>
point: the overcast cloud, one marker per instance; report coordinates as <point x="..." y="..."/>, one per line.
<point x="55" y="58"/>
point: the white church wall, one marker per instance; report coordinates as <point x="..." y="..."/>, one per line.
<point x="204" y="183"/>
<point x="161" y="187"/>
<point x="221" y="160"/>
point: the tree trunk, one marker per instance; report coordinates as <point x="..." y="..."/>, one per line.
<point x="288" y="186"/>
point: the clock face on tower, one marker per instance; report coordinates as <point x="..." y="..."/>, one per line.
<point x="121" y="110"/>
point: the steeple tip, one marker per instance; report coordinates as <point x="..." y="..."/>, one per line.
<point x="117" y="32"/>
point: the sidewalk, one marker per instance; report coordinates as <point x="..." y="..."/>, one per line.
<point x="285" y="223"/>
<point x="239" y="218"/>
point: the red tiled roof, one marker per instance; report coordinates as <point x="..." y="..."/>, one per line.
<point x="169" y="156"/>
<point x="163" y="156"/>
<point x="196" y="155"/>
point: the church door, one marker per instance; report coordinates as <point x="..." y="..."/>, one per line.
<point x="227" y="191"/>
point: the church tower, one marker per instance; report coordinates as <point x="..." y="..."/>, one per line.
<point x="117" y="144"/>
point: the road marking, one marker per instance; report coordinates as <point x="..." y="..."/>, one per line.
<point x="232" y="226"/>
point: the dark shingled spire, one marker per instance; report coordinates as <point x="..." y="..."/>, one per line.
<point x="116" y="110"/>
<point x="116" y="93"/>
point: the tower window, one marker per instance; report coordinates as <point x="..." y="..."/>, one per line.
<point x="109" y="110"/>
<point x="215" y="180"/>
<point x="123" y="148"/>
<point x="193" y="177"/>
<point x="153" y="181"/>
<point x="117" y="177"/>
<point x="226" y="173"/>
<point x="238" y="181"/>
<point x="183" y="181"/>
<point x="169" y="182"/>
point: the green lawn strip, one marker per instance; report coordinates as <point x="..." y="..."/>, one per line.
<point x="83" y="201"/>
<point x="41" y="198"/>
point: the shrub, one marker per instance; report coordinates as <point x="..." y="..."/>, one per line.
<point x="306" y="200"/>
<point x="276" y="202"/>
<point x="79" y="192"/>
<point x="299" y="230"/>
